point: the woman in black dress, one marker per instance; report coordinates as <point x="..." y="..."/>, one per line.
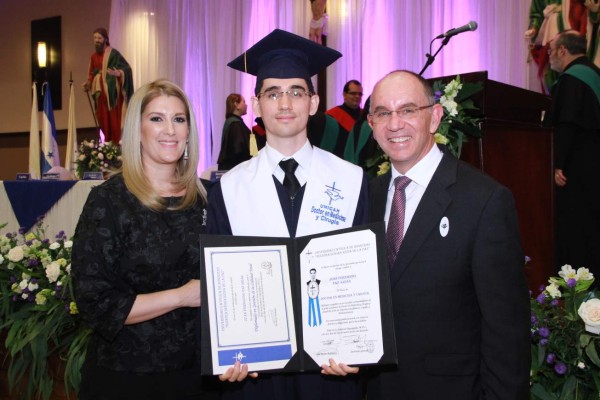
<point x="135" y="260"/>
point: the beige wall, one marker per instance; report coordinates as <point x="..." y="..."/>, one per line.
<point x="78" y="19"/>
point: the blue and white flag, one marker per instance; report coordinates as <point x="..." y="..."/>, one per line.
<point x="34" y="138"/>
<point x="50" y="156"/>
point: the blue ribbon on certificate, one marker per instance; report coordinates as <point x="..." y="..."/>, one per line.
<point x="312" y="313"/>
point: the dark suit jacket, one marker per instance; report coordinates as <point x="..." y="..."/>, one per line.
<point x="460" y="302"/>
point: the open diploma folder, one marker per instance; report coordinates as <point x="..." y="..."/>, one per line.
<point x="283" y="304"/>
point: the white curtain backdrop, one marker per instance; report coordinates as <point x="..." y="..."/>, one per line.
<point x="191" y="42"/>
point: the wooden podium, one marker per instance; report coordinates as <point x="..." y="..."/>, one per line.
<point x="517" y="151"/>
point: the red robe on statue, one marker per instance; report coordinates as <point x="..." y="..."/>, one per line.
<point x="110" y="93"/>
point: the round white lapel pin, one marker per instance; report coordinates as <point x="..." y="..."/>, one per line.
<point x="444" y="226"/>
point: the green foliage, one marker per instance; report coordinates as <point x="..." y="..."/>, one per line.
<point x="565" y="363"/>
<point x="38" y="314"/>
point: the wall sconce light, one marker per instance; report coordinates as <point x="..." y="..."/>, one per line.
<point x="41" y="54"/>
<point x="46" y="58"/>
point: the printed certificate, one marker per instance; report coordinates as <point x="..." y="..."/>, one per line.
<point x="341" y="313"/>
<point x="250" y="304"/>
<point x="282" y="304"/>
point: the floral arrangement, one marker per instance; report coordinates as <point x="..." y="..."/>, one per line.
<point x="101" y="157"/>
<point x="565" y="322"/>
<point x="455" y="127"/>
<point x="37" y="312"/>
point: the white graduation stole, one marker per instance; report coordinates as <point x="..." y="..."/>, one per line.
<point x="329" y="201"/>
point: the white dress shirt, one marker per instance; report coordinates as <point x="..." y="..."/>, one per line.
<point x="420" y="175"/>
<point x="303" y="157"/>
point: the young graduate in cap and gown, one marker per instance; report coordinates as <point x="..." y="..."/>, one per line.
<point x="259" y="198"/>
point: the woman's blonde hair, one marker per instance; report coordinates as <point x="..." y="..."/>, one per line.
<point x="132" y="169"/>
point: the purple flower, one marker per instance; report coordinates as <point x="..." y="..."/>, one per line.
<point x="560" y="368"/>
<point x="22" y="230"/>
<point x="32" y="262"/>
<point x="544" y="342"/>
<point x="554" y="303"/>
<point x="527" y="259"/>
<point x="438" y="94"/>
<point x="550" y="358"/>
<point x="12" y="279"/>
<point x="534" y="319"/>
<point x="45" y="241"/>
<point x="9" y="235"/>
<point x="29" y="242"/>
<point x="544" y="332"/>
<point x="541" y="298"/>
<point x="572" y="283"/>
<point x="542" y="288"/>
<point x="60" y="235"/>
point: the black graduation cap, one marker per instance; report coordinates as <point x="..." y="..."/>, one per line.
<point x="284" y="55"/>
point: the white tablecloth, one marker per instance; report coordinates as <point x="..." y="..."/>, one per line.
<point x="63" y="216"/>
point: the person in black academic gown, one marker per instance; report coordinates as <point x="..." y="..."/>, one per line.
<point x="238" y="143"/>
<point x="575" y="115"/>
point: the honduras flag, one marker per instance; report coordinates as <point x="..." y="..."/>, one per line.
<point x="50" y="156"/>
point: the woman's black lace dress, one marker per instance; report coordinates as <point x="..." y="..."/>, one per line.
<point x="122" y="249"/>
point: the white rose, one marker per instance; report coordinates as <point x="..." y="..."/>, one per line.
<point x="32" y="286"/>
<point x="1" y="259"/>
<point x="441" y="139"/>
<point x="567" y="272"/>
<point x="15" y="254"/>
<point x="54" y="246"/>
<point x="16" y="288"/>
<point x="82" y="158"/>
<point x="68" y="244"/>
<point x="24" y="296"/>
<point x="40" y="299"/>
<point x="581" y="365"/>
<point x="553" y="291"/>
<point x="589" y="311"/>
<point x="53" y="271"/>
<point x="23" y="284"/>
<point x="584" y="274"/>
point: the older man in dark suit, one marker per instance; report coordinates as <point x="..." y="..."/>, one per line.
<point x="460" y="299"/>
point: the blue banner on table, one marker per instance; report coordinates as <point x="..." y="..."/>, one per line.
<point x="31" y="200"/>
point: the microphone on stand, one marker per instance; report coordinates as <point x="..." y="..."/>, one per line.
<point x="471" y="26"/>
